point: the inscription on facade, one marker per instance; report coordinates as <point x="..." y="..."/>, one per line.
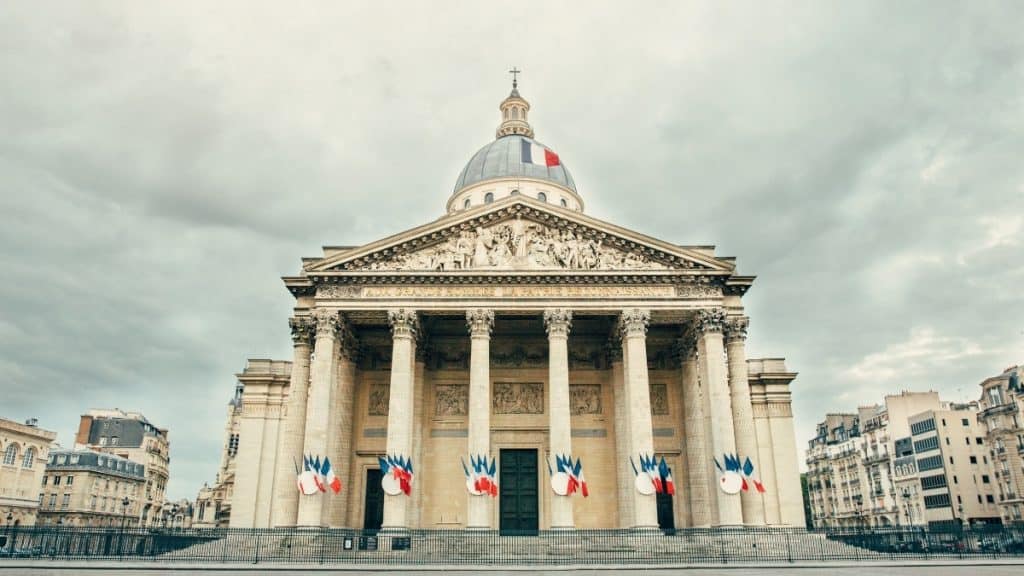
<point x="659" y="399"/>
<point x="380" y="394"/>
<point x="584" y="399"/>
<point x="566" y="291"/>
<point x="451" y="400"/>
<point x="518" y="398"/>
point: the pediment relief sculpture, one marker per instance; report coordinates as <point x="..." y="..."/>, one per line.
<point x="519" y="245"/>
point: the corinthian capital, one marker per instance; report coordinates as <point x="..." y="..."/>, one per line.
<point x="633" y="322"/>
<point x="302" y="329"/>
<point x="736" y="328"/>
<point x="557" y="321"/>
<point x="480" y="322"/>
<point x="326" y="321"/>
<point x="711" y="320"/>
<point x="404" y="323"/>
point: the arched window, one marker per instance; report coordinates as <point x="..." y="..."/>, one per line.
<point x="515" y="114"/>
<point x="11" y="454"/>
<point x="564" y="203"/>
<point x="465" y="204"/>
<point x="542" y="197"/>
<point x="489" y="197"/>
<point x="29" y="459"/>
<point x="514" y="193"/>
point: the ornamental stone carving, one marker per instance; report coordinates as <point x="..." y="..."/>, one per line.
<point x="633" y="323"/>
<point x="518" y="398"/>
<point x="711" y="320"/>
<point x="507" y="355"/>
<point x="302" y="329"/>
<point x="337" y="291"/>
<point x="380" y="394"/>
<point x="698" y="291"/>
<point x="659" y="399"/>
<point x="404" y="323"/>
<point x="736" y="328"/>
<point x="557" y="322"/>
<point x="519" y="245"/>
<point x="686" y="345"/>
<point x="480" y="322"/>
<point x="451" y="400"/>
<point x="327" y="322"/>
<point x="584" y="399"/>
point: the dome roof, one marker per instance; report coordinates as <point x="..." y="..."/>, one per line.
<point x="502" y="158"/>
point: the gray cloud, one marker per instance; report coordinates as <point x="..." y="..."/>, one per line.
<point x="162" y="165"/>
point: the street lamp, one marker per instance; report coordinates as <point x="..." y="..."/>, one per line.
<point x="124" y="517"/>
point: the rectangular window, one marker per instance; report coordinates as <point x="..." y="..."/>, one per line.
<point x="974" y="459"/>
<point x="937" y="501"/>
<point x="70" y="480"/>
<point x="44" y="480"/>
<point x="932" y="482"/>
<point x="979" y="440"/>
<point x="965" y="422"/>
<point x="53" y="500"/>
<point x="922" y="427"/>
<point x="929" y="463"/>
<point x="64" y="501"/>
<point x="990" y="499"/>
<point x="984" y="479"/>
<point x="926" y="444"/>
<point x="56" y="480"/>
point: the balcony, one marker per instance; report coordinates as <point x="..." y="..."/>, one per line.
<point x="1005" y="408"/>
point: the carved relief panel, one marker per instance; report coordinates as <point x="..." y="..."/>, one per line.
<point x="659" y="400"/>
<point x="451" y="400"/>
<point x="518" y="398"/>
<point x="584" y="399"/>
<point x="380" y="394"/>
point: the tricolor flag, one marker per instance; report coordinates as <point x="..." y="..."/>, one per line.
<point x="307" y="481"/>
<point x="578" y="473"/>
<point x="330" y="479"/>
<point x="667" y="484"/>
<point x="534" y="153"/>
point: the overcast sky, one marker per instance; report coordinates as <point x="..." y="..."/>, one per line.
<point x="163" y="164"/>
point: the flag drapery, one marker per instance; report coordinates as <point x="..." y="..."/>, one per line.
<point x="316" y="476"/>
<point x="481" y="475"/>
<point x="653" y="477"/>
<point x="567" y="478"/>
<point x="735" y="477"/>
<point x="396" y="474"/>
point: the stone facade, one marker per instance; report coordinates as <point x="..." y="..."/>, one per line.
<point x="130" y="435"/>
<point x="89" y="488"/>
<point x="24" y="449"/>
<point x="517" y="325"/>
<point x="1002" y="406"/>
<point x="212" y="507"/>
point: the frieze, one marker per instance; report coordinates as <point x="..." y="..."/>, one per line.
<point x="507" y="291"/>
<point x="380" y="394"/>
<point x="507" y="355"/>
<point x="451" y="400"/>
<point x="584" y="399"/>
<point x="698" y="291"/>
<point x="659" y="399"/>
<point x="518" y="398"/>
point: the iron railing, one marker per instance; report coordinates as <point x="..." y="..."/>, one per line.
<point x="447" y="547"/>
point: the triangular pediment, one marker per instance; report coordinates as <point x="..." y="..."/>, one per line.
<point x="518" y="234"/>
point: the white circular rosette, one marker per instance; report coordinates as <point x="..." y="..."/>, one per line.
<point x="391" y="485"/>
<point x="644" y="484"/>
<point x="730" y="482"/>
<point x="471" y="487"/>
<point x="560" y="483"/>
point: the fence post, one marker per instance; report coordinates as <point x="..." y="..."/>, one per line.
<point x="256" y="555"/>
<point x="789" y="549"/>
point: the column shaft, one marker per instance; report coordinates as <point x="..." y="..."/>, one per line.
<point x="479" y="442"/>
<point x="322" y="378"/>
<point x="633" y="327"/>
<point x="743" y="416"/>
<point x="624" y="476"/>
<point x="719" y="406"/>
<point x="339" y="444"/>
<point x="697" y="453"/>
<point x="558" y="321"/>
<point x="286" y="497"/>
<point x="419" y="400"/>
<point x="399" y="443"/>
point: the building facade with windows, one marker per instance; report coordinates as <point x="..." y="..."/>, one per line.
<point x="519" y="330"/>
<point x="88" y="488"/>
<point x="130" y="435"/>
<point x="1002" y="406"/>
<point x="212" y="508"/>
<point x="24" y="449"/>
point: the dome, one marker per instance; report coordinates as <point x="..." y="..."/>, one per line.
<point x="502" y="158"/>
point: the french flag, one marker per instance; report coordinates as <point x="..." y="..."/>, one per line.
<point x="534" y="153"/>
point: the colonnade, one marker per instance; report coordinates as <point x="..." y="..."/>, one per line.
<point x="717" y="414"/>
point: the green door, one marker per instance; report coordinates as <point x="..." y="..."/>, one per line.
<point x="373" y="509"/>
<point x="517" y="491"/>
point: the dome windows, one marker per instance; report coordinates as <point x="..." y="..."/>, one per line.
<point x="489" y="198"/>
<point x="465" y="205"/>
<point x="542" y="197"/>
<point x="564" y="203"/>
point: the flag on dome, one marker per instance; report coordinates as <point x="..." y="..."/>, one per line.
<point x="534" y="153"/>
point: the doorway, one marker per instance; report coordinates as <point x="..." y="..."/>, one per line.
<point x="666" y="514"/>
<point x="373" y="508"/>
<point x="517" y="492"/>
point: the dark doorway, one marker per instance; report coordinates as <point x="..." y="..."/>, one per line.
<point x="373" y="510"/>
<point x="666" y="515"/>
<point x="517" y="490"/>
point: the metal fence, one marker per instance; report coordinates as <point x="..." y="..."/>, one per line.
<point x="442" y="547"/>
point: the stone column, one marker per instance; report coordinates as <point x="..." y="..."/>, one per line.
<point x="339" y="443"/>
<point x="712" y="370"/>
<point x="419" y="403"/>
<point x="624" y="474"/>
<point x="480" y="323"/>
<point x="697" y="453"/>
<point x="404" y="325"/>
<point x="743" y="415"/>
<point x="633" y="329"/>
<point x="557" y="321"/>
<point x="323" y="373"/>
<point x="285" y="507"/>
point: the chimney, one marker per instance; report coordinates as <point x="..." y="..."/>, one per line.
<point x="32" y="422"/>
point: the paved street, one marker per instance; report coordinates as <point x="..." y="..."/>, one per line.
<point x="996" y="568"/>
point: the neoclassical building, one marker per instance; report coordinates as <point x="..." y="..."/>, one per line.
<point x="518" y="330"/>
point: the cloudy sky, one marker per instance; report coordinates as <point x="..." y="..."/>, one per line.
<point x="163" y="164"/>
